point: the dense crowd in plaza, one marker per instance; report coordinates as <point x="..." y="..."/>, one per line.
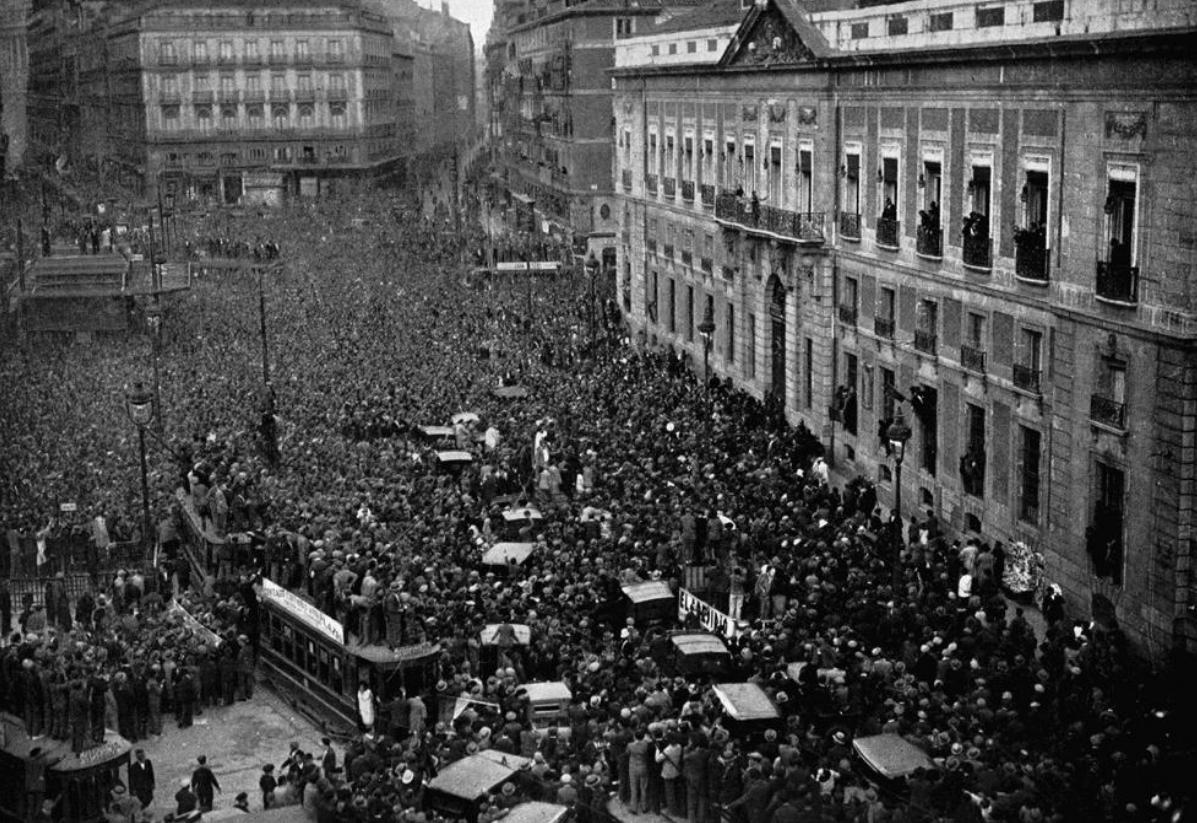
<point x="640" y="471"/>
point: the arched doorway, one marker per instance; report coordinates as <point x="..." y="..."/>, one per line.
<point x="777" y="347"/>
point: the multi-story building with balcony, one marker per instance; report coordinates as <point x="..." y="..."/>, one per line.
<point x="976" y="213"/>
<point x="550" y="116"/>
<point x="243" y="103"/>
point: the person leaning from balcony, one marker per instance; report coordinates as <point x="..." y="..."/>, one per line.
<point x="929" y="216"/>
<point x="976" y="225"/>
<point x="890" y="212"/>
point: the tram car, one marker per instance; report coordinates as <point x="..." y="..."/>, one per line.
<point x="317" y="665"/>
<point x="78" y="786"/>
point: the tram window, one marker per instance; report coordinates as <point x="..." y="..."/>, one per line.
<point x="287" y="636"/>
<point x="323" y="671"/>
<point x="337" y="681"/>
<point x="275" y="628"/>
<point x="313" y="662"/>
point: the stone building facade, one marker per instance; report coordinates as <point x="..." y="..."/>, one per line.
<point x="979" y="215"/>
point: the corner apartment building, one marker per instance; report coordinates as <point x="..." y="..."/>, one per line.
<point x="254" y="103"/>
<point x="976" y="213"/>
<point x="550" y="110"/>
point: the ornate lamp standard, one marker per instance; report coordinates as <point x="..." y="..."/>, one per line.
<point x="139" y="405"/>
<point x="898" y="435"/>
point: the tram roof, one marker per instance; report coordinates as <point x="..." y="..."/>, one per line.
<point x="17" y="743"/>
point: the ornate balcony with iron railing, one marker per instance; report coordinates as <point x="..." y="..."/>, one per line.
<point x="1117" y="283"/>
<point x="707" y="193"/>
<point x="1107" y="412"/>
<point x="888" y="233"/>
<point x="928" y="241"/>
<point x="1031" y="258"/>
<point x="669" y="187"/>
<point x="707" y="265"/>
<point x="277" y="60"/>
<point x="305" y="95"/>
<point x="972" y="358"/>
<point x="257" y="96"/>
<point x="1026" y="378"/>
<point x="201" y="98"/>
<point x="975" y="251"/>
<point x="338" y="93"/>
<point x="626" y="177"/>
<point x="850" y="226"/>
<point x="847" y="315"/>
<point x="924" y="341"/>
<point x="804" y="228"/>
<point x="688" y="190"/>
<point x="650" y="184"/>
<point x="883" y="326"/>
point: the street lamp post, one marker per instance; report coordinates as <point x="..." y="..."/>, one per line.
<point x="707" y="329"/>
<point x="898" y="435"/>
<point x="139" y="405"/>
<point x="592" y="267"/>
<point x="153" y="316"/>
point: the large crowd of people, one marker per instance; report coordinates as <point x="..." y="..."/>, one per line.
<point x="642" y="473"/>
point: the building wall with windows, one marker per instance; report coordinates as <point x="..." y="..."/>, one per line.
<point x="14" y="81"/>
<point x="985" y="225"/>
<point x="550" y="125"/>
<point x="245" y="105"/>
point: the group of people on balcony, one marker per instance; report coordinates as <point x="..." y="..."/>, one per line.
<point x="929" y="217"/>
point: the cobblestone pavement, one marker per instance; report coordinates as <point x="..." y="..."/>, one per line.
<point x="238" y="740"/>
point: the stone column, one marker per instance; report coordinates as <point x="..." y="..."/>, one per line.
<point x="14" y="77"/>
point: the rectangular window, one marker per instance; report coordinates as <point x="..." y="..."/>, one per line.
<point x="860" y="31"/>
<point x="251" y="50"/>
<point x="750" y="355"/>
<point x="301" y="49"/>
<point x="993" y="16"/>
<point x="623" y="27"/>
<point x="928" y="316"/>
<point x="672" y="306"/>
<point x="1049" y="11"/>
<point x="336" y="112"/>
<point x="808" y="374"/>
<point x="203" y="118"/>
<point x="1120" y="214"/>
<point x="278" y="85"/>
<point x="254" y="113"/>
<point x="276" y="51"/>
<point x="731" y="333"/>
<point x="1030" y="350"/>
<point x="806" y="180"/>
<point x="848" y="411"/>
<point x="203" y="82"/>
<point x="896" y="26"/>
<point x="941" y="22"/>
<point x="690" y="314"/>
<point x="199" y="50"/>
<point x="336" y="51"/>
<point x="170" y="118"/>
<point x="257" y="155"/>
<point x="852" y="182"/>
<point x="866" y="387"/>
<point x="170" y="86"/>
<point x="166" y="53"/>
<point x="226" y="51"/>
<point x="306" y="115"/>
<point x="1106" y="533"/>
<point x="691" y="46"/>
<point x="280" y="115"/>
<point x="773" y="173"/>
<point x="729" y="164"/>
<point x="928" y="424"/>
<point x="976" y="330"/>
<point x="889" y="188"/>
<point x="656" y="50"/>
<point x="887" y="394"/>
<point x="228" y="86"/>
<point x="253" y="84"/>
<point x="972" y="465"/>
<point x="688" y="157"/>
<point x="712" y="45"/>
<point x="889" y="302"/>
<point x="1028" y="485"/>
<point x="932" y="183"/>
<point x="748" y="168"/>
<point x="673" y="48"/>
<point x="228" y="117"/>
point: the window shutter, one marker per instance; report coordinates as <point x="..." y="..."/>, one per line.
<point x="868" y="300"/>
<point x="949" y="435"/>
